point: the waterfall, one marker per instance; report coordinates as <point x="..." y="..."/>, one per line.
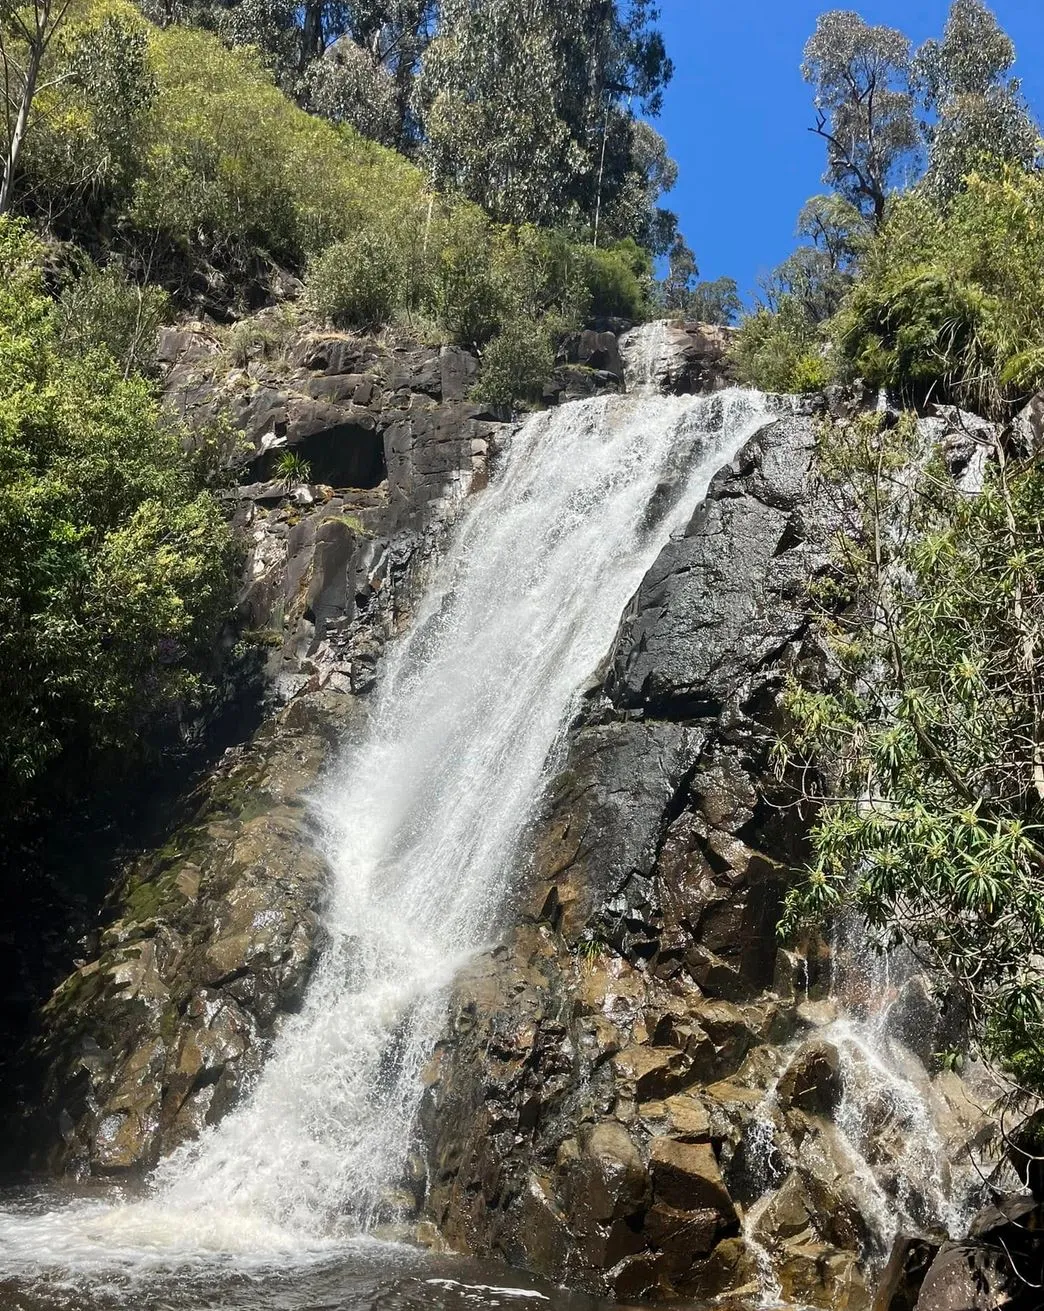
<point x="423" y="819"/>
<point x="888" y="1128"/>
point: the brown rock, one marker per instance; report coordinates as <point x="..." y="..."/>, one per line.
<point x="686" y="1177"/>
<point x="812" y="1080"/>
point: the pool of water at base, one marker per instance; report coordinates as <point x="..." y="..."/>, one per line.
<point x="364" y="1275"/>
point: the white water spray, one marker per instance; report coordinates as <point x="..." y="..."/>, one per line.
<point x="423" y="821"/>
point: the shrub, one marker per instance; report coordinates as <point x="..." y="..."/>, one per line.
<point x="119" y="566"/>
<point x="780" y="351"/>
<point x="102" y="309"/>
<point x="467" y="297"/>
<point x="230" y="160"/>
<point x="86" y="135"/>
<point x="618" y="280"/>
<point x="951" y="302"/>
<point x="292" y="469"/>
<point x="517" y="363"/>
<point x="357" y="283"/>
<point x="929" y="734"/>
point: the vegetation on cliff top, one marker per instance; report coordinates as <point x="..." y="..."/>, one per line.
<point x="932" y="291"/>
<point x="178" y="157"/>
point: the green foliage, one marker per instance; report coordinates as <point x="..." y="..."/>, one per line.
<point x="358" y="282"/>
<point x="930" y="738"/>
<point x="782" y="346"/>
<point x="517" y="363"/>
<point x="951" y="302"/>
<point x="528" y="112"/>
<point x="467" y="298"/>
<point x="118" y="564"/>
<point x="101" y="309"/>
<point x="618" y="279"/>
<point x="292" y="469"/>
<point x="864" y="106"/>
<point x="252" y="338"/>
<point x="714" y="302"/>
<point x="976" y="118"/>
<point x="231" y="160"/>
<point x="82" y="76"/>
<point x="779" y="351"/>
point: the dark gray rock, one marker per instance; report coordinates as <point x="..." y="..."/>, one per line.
<point x="595" y="350"/>
<point x="976" y="1277"/>
<point x="901" y="1280"/>
<point x="714" y="619"/>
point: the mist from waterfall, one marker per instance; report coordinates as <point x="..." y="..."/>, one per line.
<point x="422" y="821"/>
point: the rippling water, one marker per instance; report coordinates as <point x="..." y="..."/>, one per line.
<point x="367" y="1273"/>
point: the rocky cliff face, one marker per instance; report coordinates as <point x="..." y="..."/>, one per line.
<point x="637" y="1090"/>
<point x="390" y="445"/>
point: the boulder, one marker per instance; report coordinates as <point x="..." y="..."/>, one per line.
<point x="972" y="1277"/>
<point x="156" y="1037"/>
<point x="812" y="1080"/>
<point x="900" y="1282"/>
<point x="816" y="1275"/>
<point x="598" y="351"/>
<point x="686" y="1177"/>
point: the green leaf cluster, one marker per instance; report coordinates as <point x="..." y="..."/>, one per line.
<point x="930" y="737"/>
<point x="118" y="564"/>
<point x="950" y="304"/>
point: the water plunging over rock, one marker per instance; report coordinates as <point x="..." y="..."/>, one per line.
<point x="546" y="1018"/>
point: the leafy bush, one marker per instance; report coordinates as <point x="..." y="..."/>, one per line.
<point x="86" y="135"/>
<point x="118" y="564"/>
<point x="950" y="303"/>
<point x="618" y="280"/>
<point x="223" y="171"/>
<point x="932" y="736"/>
<point x="102" y="309"/>
<point x="780" y="352"/>
<point x="230" y="160"/>
<point x="292" y="469"/>
<point x="357" y="283"/>
<point x="466" y="295"/>
<point x="517" y="363"/>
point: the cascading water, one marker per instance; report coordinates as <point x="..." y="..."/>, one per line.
<point x="422" y="824"/>
<point x="887" y="1135"/>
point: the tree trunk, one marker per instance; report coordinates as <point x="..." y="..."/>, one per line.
<point x="14" y="148"/>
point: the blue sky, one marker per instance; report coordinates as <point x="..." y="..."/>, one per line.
<point x="737" y="112"/>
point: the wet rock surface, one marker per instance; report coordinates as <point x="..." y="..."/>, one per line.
<point x="637" y="1092"/>
<point x="612" y="1047"/>
<point x="210" y="941"/>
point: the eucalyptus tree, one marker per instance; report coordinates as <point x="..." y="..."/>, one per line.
<point x="347" y="86"/>
<point x="976" y="116"/>
<point x="529" y="108"/>
<point x="864" y="105"/>
<point x="96" y="73"/>
<point x="353" y="61"/>
<point x="26" y="35"/>
<point x="715" y="302"/>
<point x="682" y="276"/>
